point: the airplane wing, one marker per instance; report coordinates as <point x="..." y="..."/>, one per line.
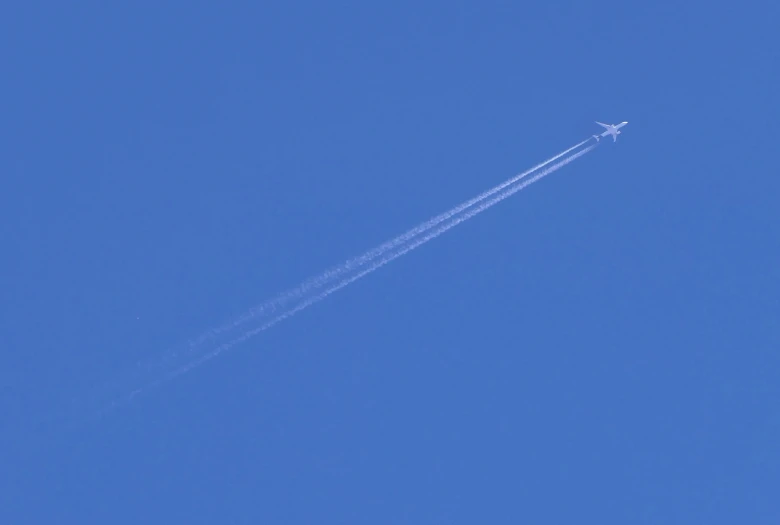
<point x="602" y="124"/>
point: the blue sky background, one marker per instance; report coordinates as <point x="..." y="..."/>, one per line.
<point x="600" y="348"/>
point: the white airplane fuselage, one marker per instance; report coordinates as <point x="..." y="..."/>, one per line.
<point x="611" y="129"/>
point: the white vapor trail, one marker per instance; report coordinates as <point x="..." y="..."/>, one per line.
<point x="301" y="290"/>
<point x="381" y="261"/>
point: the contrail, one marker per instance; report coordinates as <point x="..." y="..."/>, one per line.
<point x="301" y="290"/>
<point x="388" y="257"/>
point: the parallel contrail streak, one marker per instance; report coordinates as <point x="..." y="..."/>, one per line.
<point x="327" y="276"/>
<point x="373" y="267"/>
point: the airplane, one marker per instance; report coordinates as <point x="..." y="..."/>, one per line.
<point x="612" y="129"/>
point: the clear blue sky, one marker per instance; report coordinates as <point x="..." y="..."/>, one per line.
<point x="600" y="348"/>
